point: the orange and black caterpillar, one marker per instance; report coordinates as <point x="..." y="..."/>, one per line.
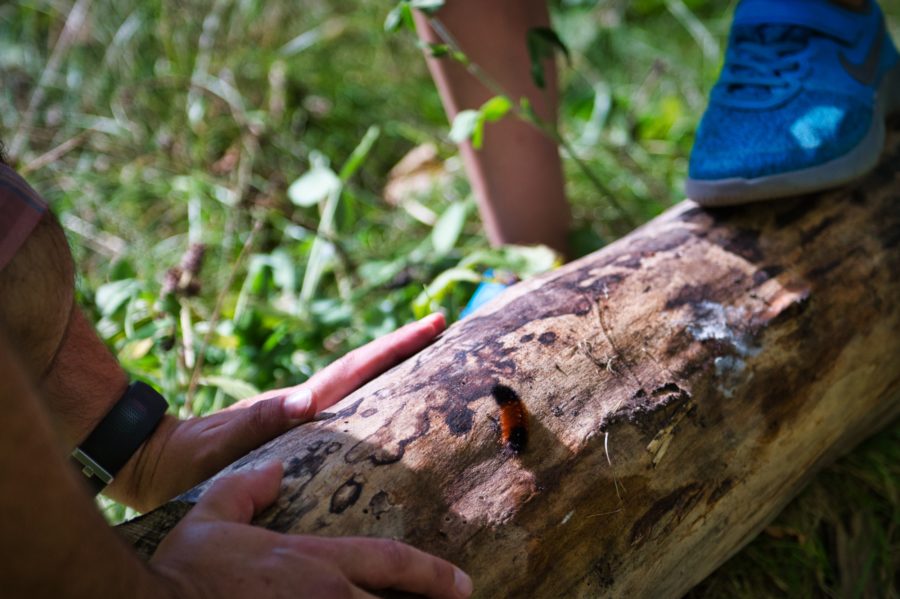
<point x="513" y="418"/>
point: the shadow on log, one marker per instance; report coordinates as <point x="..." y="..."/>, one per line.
<point x="682" y="386"/>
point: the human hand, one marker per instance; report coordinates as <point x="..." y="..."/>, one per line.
<point x="214" y="552"/>
<point x="182" y="453"/>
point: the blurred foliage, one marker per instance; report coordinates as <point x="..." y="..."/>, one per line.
<point x="266" y="132"/>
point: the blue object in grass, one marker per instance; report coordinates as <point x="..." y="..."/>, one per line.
<point x="800" y="104"/>
<point x="485" y="292"/>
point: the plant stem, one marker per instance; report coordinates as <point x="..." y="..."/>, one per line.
<point x="187" y="409"/>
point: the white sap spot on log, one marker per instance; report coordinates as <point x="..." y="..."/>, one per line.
<point x="713" y="321"/>
<point x="727" y="367"/>
<point x="729" y="364"/>
<point x="567" y="517"/>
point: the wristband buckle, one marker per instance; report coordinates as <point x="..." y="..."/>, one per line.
<point x="91" y="468"/>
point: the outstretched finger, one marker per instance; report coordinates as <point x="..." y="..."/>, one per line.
<point x="388" y="564"/>
<point x="350" y="372"/>
<point x="238" y="497"/>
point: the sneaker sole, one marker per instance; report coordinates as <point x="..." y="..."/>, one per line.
<point x="860" y="160"/>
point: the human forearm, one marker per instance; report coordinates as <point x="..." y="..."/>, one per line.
<point x="54" y="542"/>
<point x="84" y="381"/>
<point x="79" y="378"/>
<point x="516" y="175"/>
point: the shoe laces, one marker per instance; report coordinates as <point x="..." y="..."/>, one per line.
<point x="763" y="64"/>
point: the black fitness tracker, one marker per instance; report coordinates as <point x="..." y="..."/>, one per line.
<point x="127" y="425"/>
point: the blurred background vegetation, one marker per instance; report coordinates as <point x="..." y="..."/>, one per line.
<point x="227" y="172"/>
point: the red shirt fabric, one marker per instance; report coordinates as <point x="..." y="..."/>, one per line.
<point x="21" y="208"/>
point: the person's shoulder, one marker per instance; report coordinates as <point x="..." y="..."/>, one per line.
<point x="15" y="190"/>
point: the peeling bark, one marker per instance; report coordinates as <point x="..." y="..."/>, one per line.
<point x="682" y="386"/>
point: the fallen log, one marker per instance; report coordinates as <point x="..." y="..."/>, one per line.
<point x="681" y="386"/>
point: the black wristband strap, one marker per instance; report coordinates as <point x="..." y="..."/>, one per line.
<point x="127" y="425"/>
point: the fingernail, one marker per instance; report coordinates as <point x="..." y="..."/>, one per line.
<point x="462" y="582"/>
<point x="435" y="321"/>
<point x="299" y="404"/>
<point x="270" y="465"/>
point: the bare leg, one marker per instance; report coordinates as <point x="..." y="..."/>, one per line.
<point x="516" y="175"/>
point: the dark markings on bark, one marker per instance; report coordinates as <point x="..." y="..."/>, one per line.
<point x="381" y="448"/>
<point x="307" y="466"/>
<point x="649" y="246"/>
<point x="459" y="418"/>
<point x="281" y="519"/>
<point x="793" y="211"/>
<point x="602" y="573"/>
<point x="766" y="273"/>
<point x="346" y="495"/>
<point x="547" y="338"/>
<point x="147" y="543"/>
<point x="692" y="295"/>
<point x="721" y="489"/>
<point x="526" y="338"/>
<point x="630" y="261"/>
<point x="745" y="243"/>
<point x="368" y="412"/>
<point x="379" y="504"/>
<point x="671" y="508"/>
<point x="811" y="235"/>
<point x="349" y="410"/>
<point x="302" y="470"/>
<point x="820" y="272"/>
<point x="667" y="389"/>
<point x="652" y="412"/>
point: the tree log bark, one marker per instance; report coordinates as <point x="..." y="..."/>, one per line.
<point x="682" y="385"/>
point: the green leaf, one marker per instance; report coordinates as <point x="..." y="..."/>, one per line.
<point x="112" y="296"/>
<point x="464" y="125"/>
<point x="380" y="272"/>
<point x="524" y="261"/>
<point x="496" y="108"/>
<point x="394" y="18"/>
<point x="448" y="227"/>
<point x="399" y="17"/>
<point x="427" y="6"/>
<point x="542" y="42"/>
<point x="469" y="124"/>
<point x="431" y="296"/>
<point x="235" y="388"/>
<point x="478" y="133"/>
<point x="314" y="186"/>
<point x="436" y="50"/>
<point x="360" y="152"/>
<point x="322" y="251"/>
<point x="531" y="260"/>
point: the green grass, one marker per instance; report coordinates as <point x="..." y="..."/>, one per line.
<point x="176" y="123"/>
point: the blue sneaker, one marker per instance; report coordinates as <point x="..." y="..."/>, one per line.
<point x="800" y="104"/>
